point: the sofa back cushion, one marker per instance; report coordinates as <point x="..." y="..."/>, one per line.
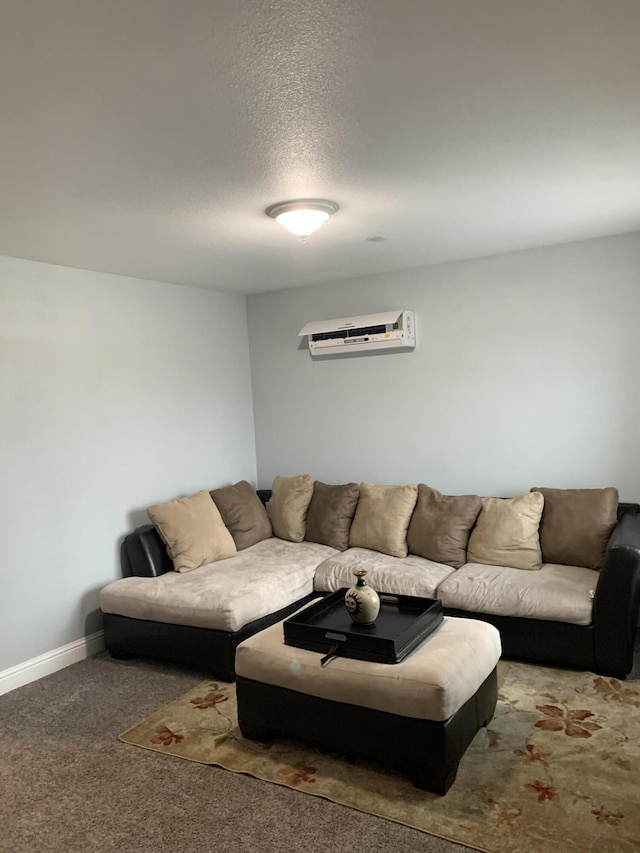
<point x="382" y="518"/>
<point x="440" y="526"/>
<point x="193" y="531"/>
<point x="243" y="514"/>
<point x="576" y="525"/>
<point x="506" y="532"/>
<point x="331" y="513"/>
<point x="289" y="505"/>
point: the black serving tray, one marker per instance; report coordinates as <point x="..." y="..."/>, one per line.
<point x="403" y="623"/>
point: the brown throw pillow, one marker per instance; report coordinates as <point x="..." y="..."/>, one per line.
<point x="506" y="532"/>
<point x="382" y="518"/>
<point x="288" y="506"/>
<point x="193" y="531"/>
<point x="330" y="514"/>
<point x="441" y="524"/>
<point x="576" y="525"/>
<point x="243" y="513"/>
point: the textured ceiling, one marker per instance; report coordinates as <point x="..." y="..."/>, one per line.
<point x="146" y="137"/>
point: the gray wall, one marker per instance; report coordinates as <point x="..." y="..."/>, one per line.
<point x="526" y="373"/>
<point x="114" y="393"/>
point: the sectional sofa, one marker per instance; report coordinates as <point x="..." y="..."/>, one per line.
<point x="559" y="613"/>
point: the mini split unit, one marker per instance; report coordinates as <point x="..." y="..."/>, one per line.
<point x="389" y="331"/>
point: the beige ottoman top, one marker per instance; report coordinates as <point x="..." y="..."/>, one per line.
<point x="432" y="683"/>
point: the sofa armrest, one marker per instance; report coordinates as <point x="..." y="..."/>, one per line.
<point x="617" y="600"/>
<point x="146" y="554"/>
<point x="627" y="508"/>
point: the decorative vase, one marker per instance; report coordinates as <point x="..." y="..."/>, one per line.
<point x="362" y="602"/>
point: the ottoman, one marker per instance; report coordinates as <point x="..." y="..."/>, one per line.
<point x="418" y="716"/>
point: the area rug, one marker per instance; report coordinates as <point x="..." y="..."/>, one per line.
<point x="558" y="768"/>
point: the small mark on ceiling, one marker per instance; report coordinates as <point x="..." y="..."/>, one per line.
<point x="375" y="239"/>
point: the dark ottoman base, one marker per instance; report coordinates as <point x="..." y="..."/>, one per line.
<point x="428" y="752"/>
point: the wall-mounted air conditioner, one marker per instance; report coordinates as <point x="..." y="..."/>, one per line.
<point x="387" y="330"/>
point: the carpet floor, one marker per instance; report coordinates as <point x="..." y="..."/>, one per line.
<point x="529" y="773"/>
<point x="68" y="784"/>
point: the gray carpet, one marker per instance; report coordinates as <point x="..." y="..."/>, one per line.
<point x="67" y="783"/>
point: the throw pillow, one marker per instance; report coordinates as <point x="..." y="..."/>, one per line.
<point x="576" y="525"/>
<point x="330" y="514"/>
<point x="506" y="532"/>
<point x="441" y="524"/>
<point x="288" y="506"/>
<point x="193" y="531"/>
<point x="382" y="518"/>
<point x="243" y="514"/>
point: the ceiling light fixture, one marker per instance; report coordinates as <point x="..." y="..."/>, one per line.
<point x="302" y="216"/>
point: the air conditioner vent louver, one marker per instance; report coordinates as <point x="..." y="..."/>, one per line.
<point x="388" y="331"/>
<point x="350" y="333"/>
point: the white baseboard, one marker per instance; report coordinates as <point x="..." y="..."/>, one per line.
<point x="50" y="662"/>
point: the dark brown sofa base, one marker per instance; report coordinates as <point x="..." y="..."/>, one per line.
<point x="538" y="641"/>
<point x="427" y="752"/>
<point x="214" y="651"/>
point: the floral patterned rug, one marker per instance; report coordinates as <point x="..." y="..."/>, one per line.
<point x="558" y="768"/>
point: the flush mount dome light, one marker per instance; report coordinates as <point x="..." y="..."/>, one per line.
<point x="303" y="216"/>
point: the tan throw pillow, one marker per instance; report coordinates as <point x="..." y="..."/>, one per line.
<point x="193" y="531"/>
<point x="330" y="514"/>
<point x="506" y="532"/>
<point x="243" y="514"/>
<point x="382" y="518"/>
<point x="441" y="524"/>
<point x="289" y="505"/>
<point x="576" y="525"/>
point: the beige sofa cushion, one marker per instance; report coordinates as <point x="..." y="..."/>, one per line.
<point x="289" y="505"/>
<point x="243" y="514"/>
<point x="193" y="531"/>
<point x="226" y="595"/>
<point x="576" y="525"/>
<point x="431" y="684"/>
<point x="410" y="575"/>
<point x="555" y="593"/>
<point x="382" y="518"/>
<point x="331" y="513"/>
<point x="440" y="526"/>
<point x="506" y="532"/>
